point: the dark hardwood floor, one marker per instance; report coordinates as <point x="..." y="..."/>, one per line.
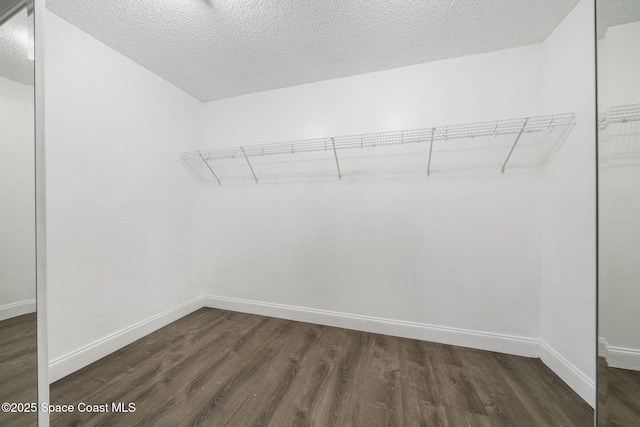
<point x="221" y="368"/>
<point x="618" y="396"/>
<point x="18" y="368"/>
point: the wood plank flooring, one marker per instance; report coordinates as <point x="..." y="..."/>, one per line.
<point x="618" y="396"/>
<point x="222" y="368"/>
<point x="18" y="368"/>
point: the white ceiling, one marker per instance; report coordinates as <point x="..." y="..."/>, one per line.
<point x="616" y="12"/>
<point x="14" y="39"/>
<point x="215" y="49"/>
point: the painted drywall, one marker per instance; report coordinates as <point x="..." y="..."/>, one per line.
<point x="17" y="200"/>
<point x="567" y="316"/>
<point x="120" y="206"/>
<point x="619" y="204"/>
<point x="472" y="88"/>
<point x="456" y="250"/>
<point x="618" y="65"/>
<point x="619" y="232"/>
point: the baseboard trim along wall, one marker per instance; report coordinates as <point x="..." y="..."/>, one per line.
<point x="529" y="347"/>
<point x="16" y="309"/>
<point x="619" y="357"/>
<point x="602" y="347"/>
<point x="71" y="362"/>
<point x="623" y="358"/>
<point x="569" y="373"/>
<point x="520" y="346"/>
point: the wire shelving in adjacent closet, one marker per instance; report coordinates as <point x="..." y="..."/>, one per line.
<point x="619" y="136"/>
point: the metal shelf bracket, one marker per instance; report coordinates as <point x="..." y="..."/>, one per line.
<point x="249" y="163"/>
<point x="209" y="166"/>
<point x="504" y="165"/>
<point x="335" y="153"/>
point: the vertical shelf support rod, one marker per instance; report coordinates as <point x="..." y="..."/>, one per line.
<point x="209" y="166"/>
<point x="249" y="163"/>
<point x="504" y="165"/>
<point x="433" y="131"/>
<point x="335" y="153"/>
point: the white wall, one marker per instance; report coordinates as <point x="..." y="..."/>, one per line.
<point x="455" y="257"/>
<point x="619" y="272"/>
<point x="459" y="251"/>
<point x="618" y="66"/>
<point x="567" y="318"/>
<point x="619" y="204"/>
<point x="120" y="205"/>
<point x="17" y="200"/>
<point x="471" y="88"/>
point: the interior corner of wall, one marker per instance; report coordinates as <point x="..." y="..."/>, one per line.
<point x="583" y="384"/>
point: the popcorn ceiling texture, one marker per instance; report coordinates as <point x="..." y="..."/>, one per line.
<point x="14" y="62"/>
<point x="215" y="49"/>
<point x="610" y="13"/>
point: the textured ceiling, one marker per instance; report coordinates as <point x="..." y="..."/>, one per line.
<point x="14" y="44"/>
<point x="214" y="49"/>
<point x="616" y="12"/>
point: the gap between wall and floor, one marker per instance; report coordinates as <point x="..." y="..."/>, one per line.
<point x="520" y="346"/>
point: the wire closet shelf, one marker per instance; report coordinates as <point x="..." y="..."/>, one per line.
<point x="619" y="135"/>
<point x="619" y="114"/>
<point x="401" y="152"/>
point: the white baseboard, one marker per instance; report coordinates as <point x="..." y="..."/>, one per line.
<point x="623" y="358"/>
<point x="71" y="362"/>
<point x="461" y="337"/>
<point x="570" y="374"/>
<point x="522" y="346"/>
<point x="16" y="309"/>
<point x="619" y="357"/>
<point x="529" y="347"/>
<point x="602" y="347"/>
